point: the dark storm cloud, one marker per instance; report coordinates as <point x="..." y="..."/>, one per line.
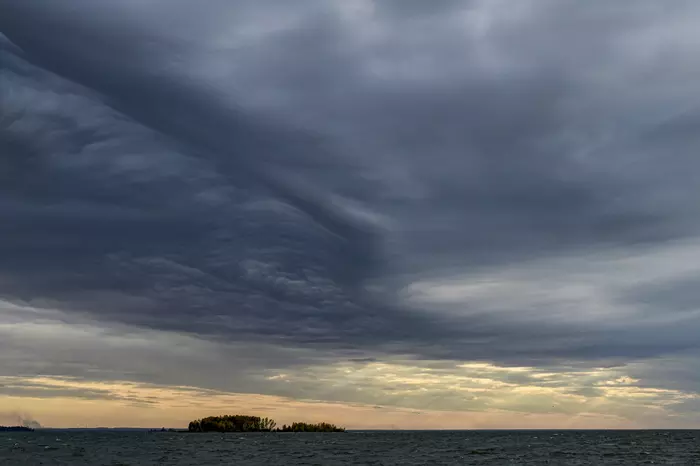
<point x="254" y="172"/>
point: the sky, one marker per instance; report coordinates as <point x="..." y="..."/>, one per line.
<point x="382" y="214"/>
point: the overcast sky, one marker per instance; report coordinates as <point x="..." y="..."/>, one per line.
<point x="389" y="213"/>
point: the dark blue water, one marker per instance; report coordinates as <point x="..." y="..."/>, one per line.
<point x="370" y="448"/>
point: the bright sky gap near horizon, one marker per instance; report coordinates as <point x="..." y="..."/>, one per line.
<point x="383" y="214"/>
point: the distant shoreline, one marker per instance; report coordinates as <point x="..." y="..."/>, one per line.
<point x="15" y="429"/>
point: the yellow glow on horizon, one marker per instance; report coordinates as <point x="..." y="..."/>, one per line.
<point x="71" y="412"/>
<point x="468" y="396"/>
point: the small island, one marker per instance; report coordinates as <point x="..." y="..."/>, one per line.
<point x="15" y="429"/>
<point x="241" y="423"/>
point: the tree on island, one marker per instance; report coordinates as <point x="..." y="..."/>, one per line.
<point x="241" y="423"/>
<point x="237" y="423"/>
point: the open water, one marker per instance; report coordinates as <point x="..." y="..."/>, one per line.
<point x="55" y="447"/>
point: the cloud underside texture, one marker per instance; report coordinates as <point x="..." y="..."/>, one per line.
<point x="443" y="181"/>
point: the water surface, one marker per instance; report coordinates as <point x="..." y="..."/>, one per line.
<point x="93" y="448"/>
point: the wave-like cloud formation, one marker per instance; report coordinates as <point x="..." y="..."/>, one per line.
<point x="437" y="181"/>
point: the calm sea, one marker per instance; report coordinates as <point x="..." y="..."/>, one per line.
<point x="354" y="448"/>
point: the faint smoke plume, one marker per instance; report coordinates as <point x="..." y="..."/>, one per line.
<point x="19" y="419"/>
<point x="33" y="423"/>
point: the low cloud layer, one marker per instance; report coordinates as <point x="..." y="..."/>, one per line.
<point x="344" y="186"/>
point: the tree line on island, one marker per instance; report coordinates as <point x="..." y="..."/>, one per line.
<point x="241" y="423"/>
